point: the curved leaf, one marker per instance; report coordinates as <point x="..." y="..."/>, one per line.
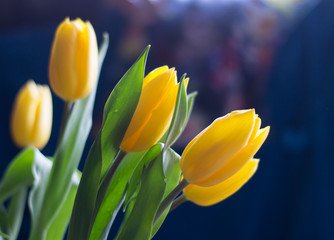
<point x="135" y="177"/>
<point x="139" y="223"/>
<point x="116" y="190"/>
<point x="114" y="194"/>
<point x="172" y="171"/>
<point x="190" y="99"/>
<point x="179" y="116"/>
<point x="18" y="174"/>
<point x="41" y="171"/>
<point x="118" y="112"/>
<point x="86" y="196"/>
<point x="58" y="226"/>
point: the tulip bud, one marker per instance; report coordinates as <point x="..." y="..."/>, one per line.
<point x="31" y="119"/>
<point x="206" y="196"/>
<point x="73" y="64"/>
<point x="154" y="111"/>
<point x="221" y="149"/>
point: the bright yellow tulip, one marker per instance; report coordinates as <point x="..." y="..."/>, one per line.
<point x="154" y="111"/>
<point x="31" y="119"/>
<point x="74" y="60"/>
<point x="206" y="196"/>
<point x="221" y="149"/>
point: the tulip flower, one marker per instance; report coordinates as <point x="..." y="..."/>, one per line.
<point x="73" y="66"/>
<point x="206" y="196"/>
<point x="154" y="111"/>
<point x="223" y="148"/>
<point x="31" y="118"/>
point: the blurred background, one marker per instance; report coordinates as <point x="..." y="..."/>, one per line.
<point x="272" y="55"/>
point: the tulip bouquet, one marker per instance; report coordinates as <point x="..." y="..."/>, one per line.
<point x="130" y="166"/>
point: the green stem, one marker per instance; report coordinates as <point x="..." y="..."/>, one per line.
<point x="177" y="202"/>
<point x="169" y="199"/>
<point x="106" y="181"/>
<point x="66" y="114"/>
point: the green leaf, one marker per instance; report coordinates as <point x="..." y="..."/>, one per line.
<point x="179" y="116"/>
<point x="172" y="171"/>
<point x="114" y="194"/>
<point x="135" y="178"/>
<point x="190" y="99"/>
<point x="41" y="171"/>
<point x="58" y="226"/>
<point x="27" y="166"/>
<point x="16" y="211"/>
<point x="86" y="196"/>
<point x="118" y="112"/>
<point x="139" y="223"/>
<point x="116" y="190"/>
<point x="18" y="174"/>
<point x="104" y="235"/>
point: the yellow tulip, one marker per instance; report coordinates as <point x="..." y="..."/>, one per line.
<point x="154" y="111"/>
<point x="206" y="196"/>
<point x="31" y="119"/>
<point x="74" y="60"/>
<point x="223" y="148"/>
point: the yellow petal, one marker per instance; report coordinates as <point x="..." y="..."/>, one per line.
<point x="186" y="81"/>
<point x="23" y="114"/>
<point x="217" y="144"/>
<point x="31" y="119"/>
<point x="43" y="120"/>
<point x="156" y="101"/>
<point x="255" y="129"/>
<point x="153" y="74"/>
<point x="206" y="196"/>
<point x="156" y="89"/>
<point x="158" y="123"/>
<point x="74" y="60"/>
<point x="238" y="161"/>
<point x="62" y="70"/>
<point x="86" y="60"/>
<point x="81" y="66"/>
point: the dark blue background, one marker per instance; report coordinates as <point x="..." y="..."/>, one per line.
<point x="292" y="194"/>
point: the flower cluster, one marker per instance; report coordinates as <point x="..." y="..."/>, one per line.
<point x="132" y="153"/>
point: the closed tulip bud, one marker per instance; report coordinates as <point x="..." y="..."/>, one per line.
<point x="154" y="111"/>
<point x="223" y="148"/>
<point x="206" y="196"/>
<point x="31" y="119"/>
<point x="73" y="64"/>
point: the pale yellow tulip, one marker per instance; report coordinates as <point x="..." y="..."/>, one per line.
<point x="73" y="66"/>
<point x="31" y="119"/>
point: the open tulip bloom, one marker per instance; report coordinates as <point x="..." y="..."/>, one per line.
<point x="131" y="164"/>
